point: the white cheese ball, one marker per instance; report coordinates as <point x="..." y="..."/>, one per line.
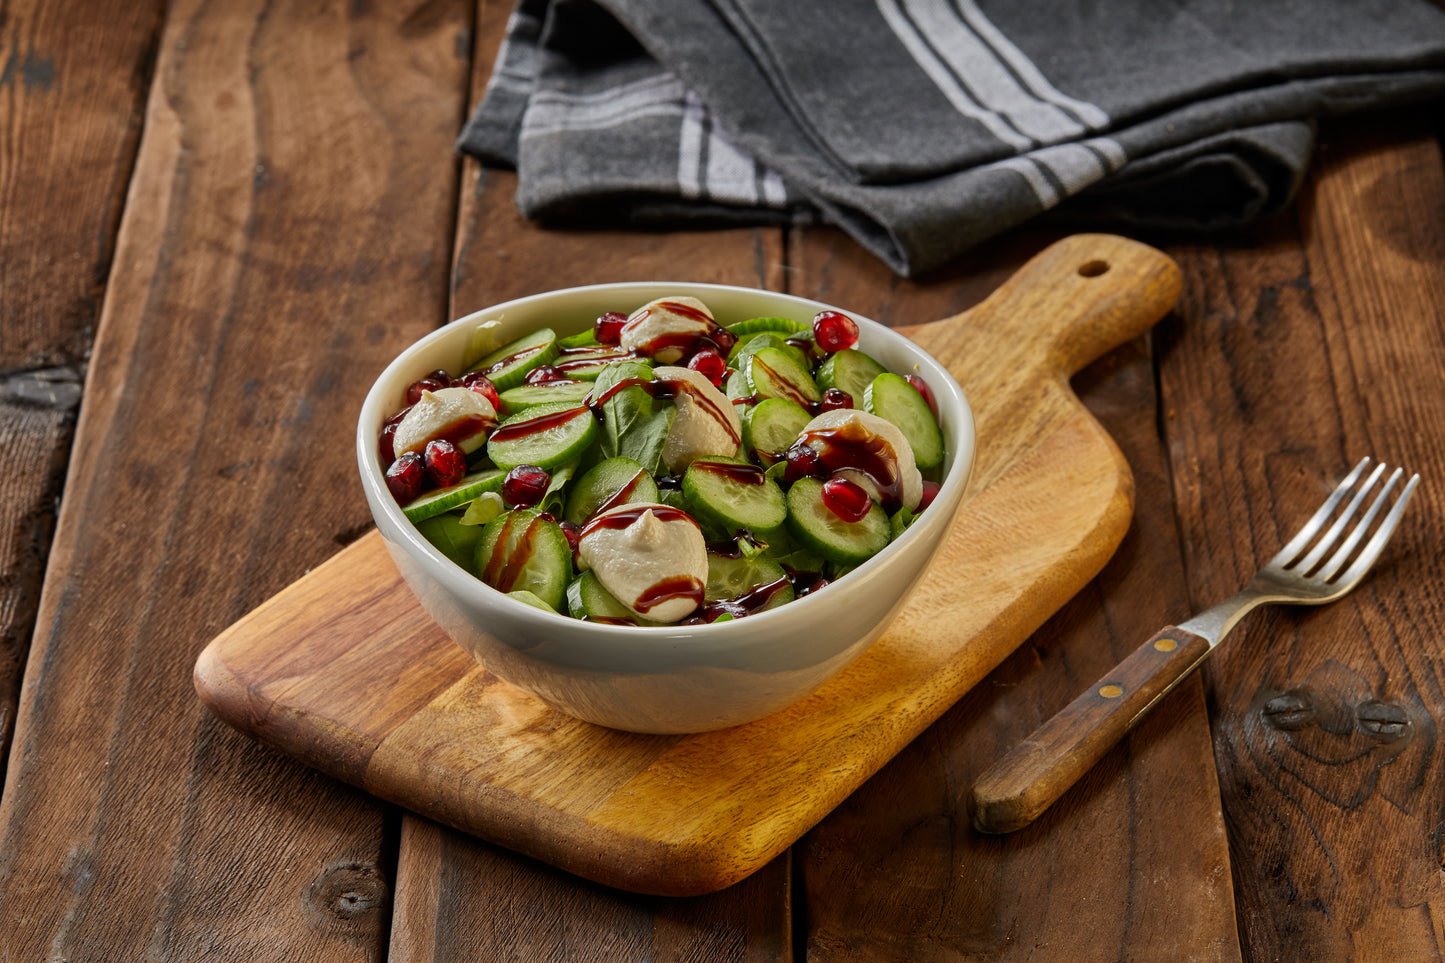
<point x="660" y="546"/>
<point x="664" y="329"/>
<point x="460" y="415"/>
<point x="911" y="487"/>
<point x="707" y="423"/>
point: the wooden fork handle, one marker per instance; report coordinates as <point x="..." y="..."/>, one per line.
<point x="1021" y="785"/>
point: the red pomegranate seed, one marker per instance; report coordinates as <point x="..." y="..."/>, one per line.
<point x="930" y="492"/>
<point x="386" y="445"/>
<point x="818" y="583"/>
<point x="543" y="374"/>
<point x="921" y="386"/>
<point x="835" y="331"/>
<point x="404" y="477"/>
<point x="803" y="462"/>
<point x="710" y="365"/>
<point x="833" y="399"/>
<point x="607" y="329"/>
<point x="723" y="338"/>
<point x="845" y="499"/>
<point x="483" y="386"/>
<point x="445" y="463"/>
<point x="525" y="486"/>
<point x="435" y="381"/>
<point x="573" y="531"/>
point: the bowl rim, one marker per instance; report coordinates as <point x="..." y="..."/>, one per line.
<point x="948" y="393"/>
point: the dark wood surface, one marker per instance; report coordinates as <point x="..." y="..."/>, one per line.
<point x="218" y="221"/>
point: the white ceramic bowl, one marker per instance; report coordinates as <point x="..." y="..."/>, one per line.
<point x="673" y="679"/>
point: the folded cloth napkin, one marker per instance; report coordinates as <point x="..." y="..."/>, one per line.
<point x="922" y="127"/>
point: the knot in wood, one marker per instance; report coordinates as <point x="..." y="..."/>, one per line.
<point x="1383" y="720"/>
<point x="1289" y="710"/>
<point x="346" y="897"/>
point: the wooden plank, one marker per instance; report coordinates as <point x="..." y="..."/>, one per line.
<point x="70" y="106"/>
<point x="898" y="873"/>
<point x="458" y="897"/>
<point x="288" y="223"/>
<point x="1311" y="344"/>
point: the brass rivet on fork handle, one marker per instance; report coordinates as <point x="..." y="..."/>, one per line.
<point x="1320" y="564"/>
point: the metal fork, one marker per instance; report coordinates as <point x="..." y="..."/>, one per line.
<point x="1320" y="564"/>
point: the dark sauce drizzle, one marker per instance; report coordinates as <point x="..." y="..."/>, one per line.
<point x="852" y="446"/>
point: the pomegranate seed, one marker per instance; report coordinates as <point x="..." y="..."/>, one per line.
<point x="445" y="462"/>
<point x="803" y="462"/>
<point x="818" y="583"/>
<point x="573" y="531"/>
<point x="386" y="446"/>
<point x="921" y="386"/>
<point x="710" y="365"/>
<point x="930" y="492"/>
<point x="483" y="386"/>
<point x="435" y="381"/>
<point x="404" y="477"/>
<point x="525" y="486"/>
<point x="723" y="338"/>
<point x="835" y="331"/>
<point x="607" y="329"/>
<point x="835" y="398"/>
<point x="543" y="374"/>
<point x="845" y="499"/>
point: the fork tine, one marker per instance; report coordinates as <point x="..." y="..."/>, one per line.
<point x="1376" y="545"/>
<point x="1338" y="560"/>
<point x="1290" y="553"/>
<point x="1326" y="544"/>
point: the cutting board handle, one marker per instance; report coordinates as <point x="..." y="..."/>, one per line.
<point x="1077" y="299"/>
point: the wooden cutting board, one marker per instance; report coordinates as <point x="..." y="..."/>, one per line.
<point x="345" y="672"/>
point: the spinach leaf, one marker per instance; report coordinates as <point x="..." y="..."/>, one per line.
<point x="634" y="424"/>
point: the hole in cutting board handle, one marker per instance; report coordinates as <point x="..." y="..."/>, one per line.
<point x="1094" y="268"/>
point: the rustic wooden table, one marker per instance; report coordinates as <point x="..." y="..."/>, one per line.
<point x="219" y="221"/>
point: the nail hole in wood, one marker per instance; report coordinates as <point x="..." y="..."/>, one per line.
<point x="1092" y="269"/>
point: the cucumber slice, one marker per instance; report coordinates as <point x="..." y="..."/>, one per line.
<point x="522" y="595"/>
<point x="616" y="480"/>
<point x="456" y="541"/>
<point x="525" y="396"/>
<point x="746" y="347"/>
<point x="787" y="327"/>
<point x="523" y="549"/>
<point x="543" y="435"/>
<point x="728" y="494"/>
<point x="849" y="370"/>
<point x="772" y="425"/>
<point x="510" y="364"/>
<point x="899" y="521"/>
<point x="775" y="373"/>
<point x="893" y="399"/>
<point x="445" y="499"/>
<point x="588" y="599"/>
<point x="733" y="578"/>
<point x="817" y="528"/>
<point x="585" y="338"/>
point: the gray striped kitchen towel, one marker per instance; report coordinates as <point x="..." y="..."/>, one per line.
<point x="922" y="127"/>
